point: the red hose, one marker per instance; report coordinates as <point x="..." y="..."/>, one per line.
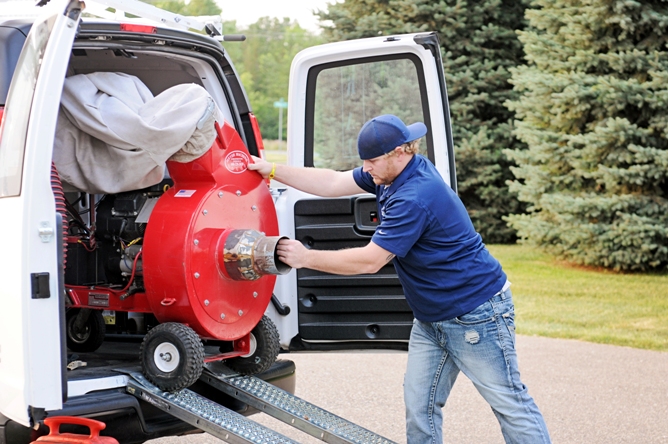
<point x="59" y="195"/>
<point x="132" y="275"/>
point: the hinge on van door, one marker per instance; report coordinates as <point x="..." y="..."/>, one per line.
<point x="45" y="231"/>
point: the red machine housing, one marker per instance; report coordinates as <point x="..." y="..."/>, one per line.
<point x="191" y="275"/>
<point x="183" y="253"/>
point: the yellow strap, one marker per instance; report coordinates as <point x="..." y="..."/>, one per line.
<point x="273" y="171"/>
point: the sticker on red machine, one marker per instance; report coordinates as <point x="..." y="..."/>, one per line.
<point x="184" y="193"/>
<point x="237" y="162"/>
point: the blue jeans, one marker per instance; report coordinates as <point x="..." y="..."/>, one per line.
<point x="481" y="344"/>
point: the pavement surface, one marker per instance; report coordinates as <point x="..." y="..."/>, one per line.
<point x="588" y="393"/>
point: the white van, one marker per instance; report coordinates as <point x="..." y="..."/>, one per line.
<point x="92" y="270"/>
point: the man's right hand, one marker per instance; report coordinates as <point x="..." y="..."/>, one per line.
<point x="261" y="166"/>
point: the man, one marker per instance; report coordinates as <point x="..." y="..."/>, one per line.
<point x="460" y="296"/>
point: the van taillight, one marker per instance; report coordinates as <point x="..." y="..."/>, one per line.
<point x="258" y="135"/>
<point x="146" y="29"/>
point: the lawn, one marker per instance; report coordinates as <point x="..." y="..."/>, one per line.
<point x="275" y="151"/>
<point x="563" y="301"/>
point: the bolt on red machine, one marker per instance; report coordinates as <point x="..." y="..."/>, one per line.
<point x="201" y="259"/>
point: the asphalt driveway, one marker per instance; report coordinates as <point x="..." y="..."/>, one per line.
<point x="588" y="393"/>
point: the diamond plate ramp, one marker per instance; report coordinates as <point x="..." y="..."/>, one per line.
<point x="288" y="408"/>
<point x="205" y="414"/>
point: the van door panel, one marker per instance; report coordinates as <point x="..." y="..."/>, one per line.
<point x="334" y="307"/>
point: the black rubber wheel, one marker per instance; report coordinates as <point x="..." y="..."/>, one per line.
<point x="85" y="329"/>
<point x="172" y="356"/>
<point x="265" y="345"/>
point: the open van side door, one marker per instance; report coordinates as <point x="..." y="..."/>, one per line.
<point x="334" y="89"/>
<point x="32" y="346"/>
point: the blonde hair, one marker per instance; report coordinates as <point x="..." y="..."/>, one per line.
<point x="412" y="147"/>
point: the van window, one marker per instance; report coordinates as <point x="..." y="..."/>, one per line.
<point x="345" y="96"/>
<point x="17" y="112"/>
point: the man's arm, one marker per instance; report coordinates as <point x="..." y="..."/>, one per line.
<point x="318" y="181"/>
<point x="362" y="260"/>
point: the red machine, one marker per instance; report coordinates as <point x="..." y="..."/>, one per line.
<point x="203" y="263"/>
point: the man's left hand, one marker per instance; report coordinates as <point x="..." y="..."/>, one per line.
<point x="292" y="253"/>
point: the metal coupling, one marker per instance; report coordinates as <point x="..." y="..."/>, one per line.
<point x="248" y="255"/>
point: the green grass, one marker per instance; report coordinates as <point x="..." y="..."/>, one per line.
<point x="275" y="151"/>
<point x="563" y="301"/>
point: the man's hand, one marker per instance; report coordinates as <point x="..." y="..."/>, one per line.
<point x="362" y="260"/>
<point x="261" y="166"/>
<point x="292" y="253"/>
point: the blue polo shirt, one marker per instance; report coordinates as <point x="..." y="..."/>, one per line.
<point x="442" y="263"/>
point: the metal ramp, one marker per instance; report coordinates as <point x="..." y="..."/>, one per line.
<point x="234" y="428"/>
<point x="288" y="408"/>
<point x="205" y="414"/>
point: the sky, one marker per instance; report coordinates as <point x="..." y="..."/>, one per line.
<point x="246" y="12"/>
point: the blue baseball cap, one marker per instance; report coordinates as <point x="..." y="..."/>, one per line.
<point x="382" y="134"/>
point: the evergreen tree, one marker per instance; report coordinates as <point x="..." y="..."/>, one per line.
<point x="479" y="46"/>
<point x="594" y="112"/>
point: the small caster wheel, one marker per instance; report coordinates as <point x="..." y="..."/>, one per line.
<point x="265" y="345"/>
<point x="85" y="329"/>
<point x="172" y="356"/>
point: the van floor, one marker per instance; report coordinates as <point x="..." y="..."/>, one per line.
<point x="111" y="357"/>
<point x="115" y="355"/>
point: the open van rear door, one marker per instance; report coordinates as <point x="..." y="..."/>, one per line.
<point x="31" y="305"/>
<point x="334" y="89"/>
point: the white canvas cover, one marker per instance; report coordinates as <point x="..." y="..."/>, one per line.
<point x="113" y="135"/>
